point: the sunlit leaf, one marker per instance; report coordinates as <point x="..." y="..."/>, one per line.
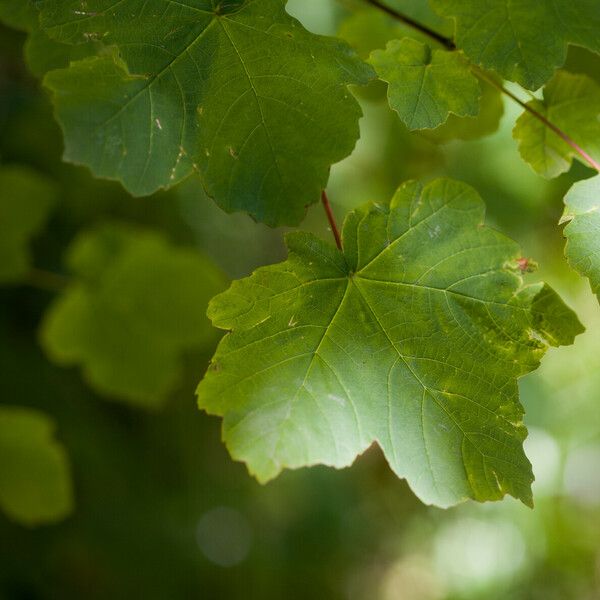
<point x="572" y="103"/>
<point x="582" y="213"/>
<point x="414" y="336"/>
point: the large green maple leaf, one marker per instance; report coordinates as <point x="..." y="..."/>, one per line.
<point x="237" y="91"/>
<point x="413" y="336"/>
<point x="522" y="40"/>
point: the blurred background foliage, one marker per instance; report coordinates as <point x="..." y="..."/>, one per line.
<point x="160" y="510"/>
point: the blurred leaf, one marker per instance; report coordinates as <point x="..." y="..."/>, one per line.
<point x="26" y="199"/>
<point x="135" y="305"/>
<point x="522" y="41"/>
<point x="471" y="128"/>
<point x="426" y="85"/>
<point x="369" y="29"/>
<point x="19" y="14"/>
<point x="572" y="103"/>
<point x="413" y="337"/>
<point x="583" y="230"/>
<point x="35" y="481"/>
<point x="201" y="89"/>
<point x="387" y="154"/>
<point x="562" y="396"/>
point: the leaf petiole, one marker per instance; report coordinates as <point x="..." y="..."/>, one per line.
<point x="331" y="218"/>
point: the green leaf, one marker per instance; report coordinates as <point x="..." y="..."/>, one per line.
<point x="35" y="479"/>
<point x="572" y="103"/>
<point x="425" y="86"/>
<point x="582" y="213"/>
<point x="26" y="199"/>
<point x="368" y="29"/>
<point x="472" y="128"/>
<point x="413" y="336"/>
<point x="42" y="54"/>
<point x="523" y="41"/>
<point x="19" y="14"/>
<point x="135" y="305"/>
<point x="240" y="93"/>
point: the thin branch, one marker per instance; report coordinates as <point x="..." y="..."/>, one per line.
<point x="438" y="37"/>
<point x="540" y="117"/>
<point x="331" y="219"/>
<point x="449" y="44"/>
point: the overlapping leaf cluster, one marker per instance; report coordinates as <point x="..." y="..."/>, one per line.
<point x="413" y="335"/>
<point x="436" y="88"/>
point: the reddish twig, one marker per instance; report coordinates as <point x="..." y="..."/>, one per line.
<point x="540" y="117"/>
<point x="449" y="44"/>
<point x="331" y="219"/>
